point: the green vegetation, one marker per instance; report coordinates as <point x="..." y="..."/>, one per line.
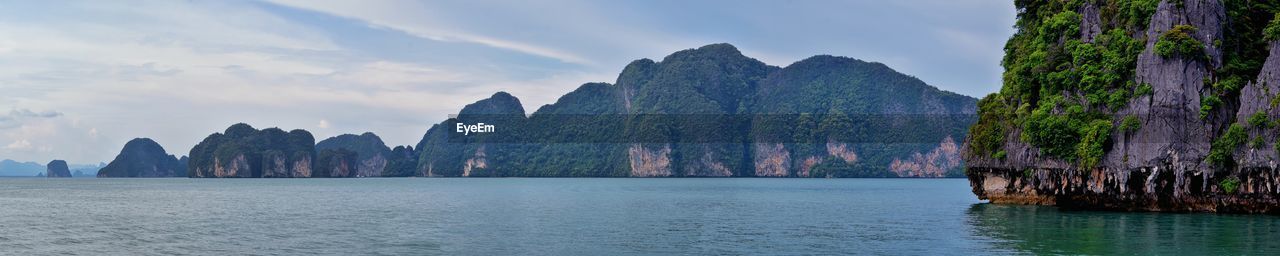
<point x="1130" y="124"/>
<point x="1207" y="104"/>
<point x="1093" y="145"/>
<point x="801" y="108"/>
<point x="1272" y="32"/>
<point x="1180" y="43"/>
<point x="1144" y="89"/>
<point x="1058" y="84"/>
<point x="1221" y="150"/>
<point x="988" y="134"/>
<point x="1229" y="184"/>
<point x="1259" y="120"/>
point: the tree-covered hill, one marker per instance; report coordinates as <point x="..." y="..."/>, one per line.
<point x="712" y="111"/>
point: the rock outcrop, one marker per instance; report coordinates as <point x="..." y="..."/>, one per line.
<point x="1182" y="139"/>
<point x="57" y="169"/>
<point x="337" y="163"/>
<point x="143" y="157"/>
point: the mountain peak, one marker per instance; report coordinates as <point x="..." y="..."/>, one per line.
<point x="720" y="51"/>
<point x="500" y="103"/>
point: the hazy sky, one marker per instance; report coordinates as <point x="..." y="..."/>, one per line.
<point x="80" y="78"/>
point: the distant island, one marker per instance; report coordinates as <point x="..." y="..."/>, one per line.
<point x="705" y="112"/>
<point x="1134" y="105"/>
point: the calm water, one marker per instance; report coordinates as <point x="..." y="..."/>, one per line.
<point x="580" y="217"/>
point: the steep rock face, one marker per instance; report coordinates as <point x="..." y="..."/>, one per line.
<point x="143" y="157"/>
<point x="1260" y="97"/>
<point x="936" y="163"/>
<point x="1173" y="110"/>
<point x="244" y="152"/>
<point x="336" y="163"/>
<point x="1175" y="145"/>
<point x="445" y="152"/>
<point x="371" y="151"/>
<point x="57" y="169"/>
<point x="650" y="162"/>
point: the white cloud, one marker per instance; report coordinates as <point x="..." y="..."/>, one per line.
<point x="21" y="144"/>
<point x="404" y="16"/>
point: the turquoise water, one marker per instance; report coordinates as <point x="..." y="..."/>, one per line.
<point x="393" y="216"/>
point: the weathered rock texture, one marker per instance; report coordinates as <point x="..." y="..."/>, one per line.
<point x="1162" y="165"/>
<point x="371" y="152"/>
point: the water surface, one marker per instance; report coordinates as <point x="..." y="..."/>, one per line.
<point x="583" y="216"/>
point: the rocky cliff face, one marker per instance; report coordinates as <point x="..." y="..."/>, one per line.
<point x="444" y="152"/>
<point x="371" y="152"/>
<point x="143" y="157"/>
<point x="1173" y="132"/>
<point x="337" y="163"/>
<point x="57" y="169"/>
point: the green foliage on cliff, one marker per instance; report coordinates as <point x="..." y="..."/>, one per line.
<point x="1179" y="42"/>
<point x="1272" y="32"/>
<point x="1259" y="120"/>
<point x="1093" y="143"/>
<point x="1058" y="82"/>
<point x="1229" y="184"/>
<point x="1222" y="148"/>
<point x="1207" y="103"/>
<point x="987" y="136"/>
<point x="1130" y="124"/>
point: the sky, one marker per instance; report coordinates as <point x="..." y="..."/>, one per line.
<point x="78" y="79"/>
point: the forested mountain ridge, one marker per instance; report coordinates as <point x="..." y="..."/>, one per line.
<point x="705" y="112"/>
<point x="652" y="123"/>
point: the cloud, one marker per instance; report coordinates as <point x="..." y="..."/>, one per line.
<point x="397" y="15"/>
<point x="44" y="135"/>
<point x="16" y="117"/>
<point x="21" y="144"/>
<point x="25" y="113"/>
<point x="324" y="124"/>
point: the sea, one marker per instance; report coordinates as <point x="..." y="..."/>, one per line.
<point x="582" y="216"/>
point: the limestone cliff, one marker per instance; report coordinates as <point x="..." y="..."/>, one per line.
<point x="371" y="152"/>
<point x="1128" y="106"/>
